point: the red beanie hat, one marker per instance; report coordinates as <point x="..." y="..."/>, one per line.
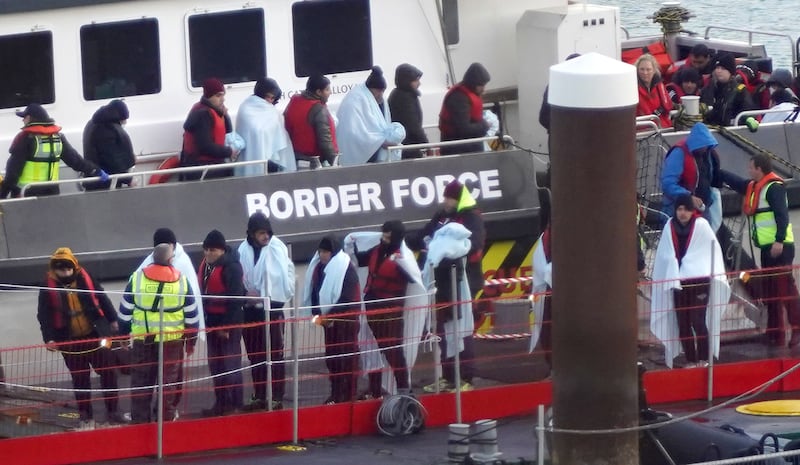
<point x="212" y="86"/>
<point x="453" y="190"/>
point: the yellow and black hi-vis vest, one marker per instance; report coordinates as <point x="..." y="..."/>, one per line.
<point x="171" y="299"/>
<point x="42" y="163"/>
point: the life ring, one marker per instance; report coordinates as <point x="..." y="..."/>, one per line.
<point x="168" y="163"/>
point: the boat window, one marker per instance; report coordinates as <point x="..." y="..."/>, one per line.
<point x="331" y="36"/>
<point x="229" y="45"/>
<point x="120" y="59"/>
<point x="450" y="16"/>
<point x="28" y="71"/>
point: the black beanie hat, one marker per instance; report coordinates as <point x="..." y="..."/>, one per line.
<point x="727" y="61"/>
<point x="453" y="189"/>
<point x="329" y="243"/>
<point x="266" y="86"/>
<point x="214" y="240"/>
<point x="476" y="75"/>
<point x="684" y="200"/>
<point x="164" y="236"/>
<point x="317" y="82"/>
<point x="259" y="222"/>
<point x="397" y="231"/>
<point x="376" y="79"/>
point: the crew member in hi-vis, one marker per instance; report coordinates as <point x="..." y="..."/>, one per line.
<point x="766" y="202"/>
<point x="158" y="306"/>
<point x="36" y="153"/>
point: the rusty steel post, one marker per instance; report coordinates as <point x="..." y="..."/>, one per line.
<point x="593" y="136"/>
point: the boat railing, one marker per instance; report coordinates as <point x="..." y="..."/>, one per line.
<point x="751" y="32"/>
<point x="156" y="157"/>
<point x="204" y="169"/>
<point x="505" y="138"/>
<point x="748" y="113"/>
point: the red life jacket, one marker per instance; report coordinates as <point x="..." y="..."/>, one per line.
<point x="689" y="175"/>
<point x="301" y="132"/>
<point x="384" y="280"/>
<point x="655" y="100"/>
<point x="475" y="111"/>
<point x="56" y="303"/>
<point x="212" y="286"/>
<point x="217" y="135"/>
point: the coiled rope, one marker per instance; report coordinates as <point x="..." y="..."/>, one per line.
<point x="401" y="415"/>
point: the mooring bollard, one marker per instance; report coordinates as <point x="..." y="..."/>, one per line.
<point x="483" y="442"/>
<point x="458" y="443"/>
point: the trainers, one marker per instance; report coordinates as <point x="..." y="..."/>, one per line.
<point x="277" y="405"/>
<point x="116" y="418"/>
<point x="440" y="385"/>
<point x="465" y="386"/>
<point x="329" y="401"/>
<point x="86" y="425"/>
<point x="255" y="404"/>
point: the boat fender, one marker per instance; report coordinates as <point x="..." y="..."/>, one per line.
<point x="168" y="163"/>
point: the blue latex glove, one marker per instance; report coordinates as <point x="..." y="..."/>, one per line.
<point x="103" y="175"/>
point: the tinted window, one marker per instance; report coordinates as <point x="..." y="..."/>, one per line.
<point x="450" y="16"/>
<point x="120" y="59"/>
<point x="331" y="36"/>
<point x="228" y="45"/>
<point x="27" y="69"/>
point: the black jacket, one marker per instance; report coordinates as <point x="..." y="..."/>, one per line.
<point x="728" y="101"/>
<point x="49" y="316"/>
<point x="406" y="109"/>
<point x="232" y="280"/>
<point x="106" y="143"/>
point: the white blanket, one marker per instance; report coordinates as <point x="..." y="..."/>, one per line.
<point x="183" y="263"/>
<point x="261" y="126"/>
<point x="331" y="289"/>
<point x="363" y="128"/>
<point x="703" y="258"/>
<point x="451" y="241"/>
<point x="415" y="309"/>
<point x="542" y="274"/>
<point x="273" y="275"/>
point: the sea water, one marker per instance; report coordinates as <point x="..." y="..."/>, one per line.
<point x="770" y="16"/>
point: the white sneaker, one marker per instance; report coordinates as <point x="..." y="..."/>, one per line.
<point x="86" y="425"/>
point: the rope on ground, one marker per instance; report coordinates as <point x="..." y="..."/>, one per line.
<point x="401" y="415"/>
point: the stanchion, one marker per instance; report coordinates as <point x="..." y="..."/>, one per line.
<point x="454" y="341"/>
<point x="160" y="402"/>
<point x="711" y="329"/>
<point x="294" y="321"/>
<point x="268" y="335"/>
<point x="540" y="436"/>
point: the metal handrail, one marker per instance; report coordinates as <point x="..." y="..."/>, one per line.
<point x="648" y="125"/>
<point x="751" y="32"/>
<point x="427" y="145"/>
<point x="653" y="118"/>
<point x="204" y="169"/>
<point x="155" y="156"/>
<point x="761" y="112"/>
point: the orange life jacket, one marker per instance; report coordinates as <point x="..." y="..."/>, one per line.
<point x="217" y="135"/>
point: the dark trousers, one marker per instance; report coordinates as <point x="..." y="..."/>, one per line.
<point x="81" y="357"/>
<point x="340" y="339"/>
<point x="225" y="355"/>
<point x="546" y="335"/>
<point x="387" y="327"/>
<point x="255" y="341"/>
<point x="778" y="290"/>
<point x="144" y="375"/>
<point x="691" y="303"/>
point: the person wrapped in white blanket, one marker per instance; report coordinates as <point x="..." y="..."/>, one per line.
<point x="690" y="288"/>
<point x="269" y="279"/>
<point x="333" y="296"/>
<point x="261" y="126"/>
<point x="396" y="305"/>
<point x="365" y="128"/>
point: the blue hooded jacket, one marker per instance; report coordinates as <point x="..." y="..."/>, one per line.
<point x="699" y="138"/>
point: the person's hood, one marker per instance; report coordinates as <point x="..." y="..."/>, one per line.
<point x="405" y="74"/>
<point x="700" y="137"/>
<point x="65" y="254"/>
<point x="112" y="113"/>
<point x="476" y="75"/>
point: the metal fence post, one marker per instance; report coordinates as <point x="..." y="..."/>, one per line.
<point x="268" y="335"/>
<point x="294" y="321"/>
<point x="160" y="402"/>
<point x="711" y="329"/>
<point x="454" y="341"/>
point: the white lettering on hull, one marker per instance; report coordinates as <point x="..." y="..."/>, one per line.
<point x="421" y="191"/>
